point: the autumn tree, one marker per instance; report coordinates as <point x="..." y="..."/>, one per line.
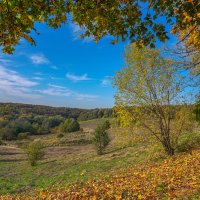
<point x="69" y="125"/>
<point x="141" y="21"/>
<point x="188" y="47"/>
<point x="35" y="152"/>
<point x="101" y="138"/>
<point x="197" y="111"/>
<point x="150" y="93"/>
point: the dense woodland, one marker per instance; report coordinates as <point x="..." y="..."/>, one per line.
<point x="16" y="119"/>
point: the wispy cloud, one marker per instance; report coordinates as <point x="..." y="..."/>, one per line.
<point x="13" y="84"/>
<point x="89" y="97"/>
<point x="56" y="86"/>
<point x="107" y="81"/>
<point x="13" y="78"/>
<point x="77" y="31"/>
<point x="39" y="59"/>
<point x="76" y="78"/>
<point x="37" y="78"/>
<point x="54" y="67"/>
<point x="61" y="91"/>
<point x="5" y="61"/>
<point x="56" y="90"/>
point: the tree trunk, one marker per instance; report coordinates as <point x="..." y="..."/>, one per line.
<point x="167" y="145"/>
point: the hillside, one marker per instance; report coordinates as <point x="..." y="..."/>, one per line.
<point x="24" y="109"/>
<point x="174" y="178"/>
<point x="131" y="168"/>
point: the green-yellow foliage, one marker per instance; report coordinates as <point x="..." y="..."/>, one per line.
<point x="35" y="152"/>
<point x="122" y="19"/>
<point x="150" y="90"/>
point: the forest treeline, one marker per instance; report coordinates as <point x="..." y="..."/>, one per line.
<point x="83" y="114"/>
<point x="18" y="120"/>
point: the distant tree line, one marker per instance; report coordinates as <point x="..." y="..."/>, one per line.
<point x="11" y="129"/>
<point x="17" y="121"/>
<point x="13" y="109"/>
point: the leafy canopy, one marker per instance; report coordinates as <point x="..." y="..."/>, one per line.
<point x="137" y="20"/>
<point x="151" y="93"/>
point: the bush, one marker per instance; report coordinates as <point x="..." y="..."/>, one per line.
<point x="188" y="141"/>
<point x="60" y="135"/>
<point x="8" y="134"/>
<point x="35" y="152"/>
<point x="22" y="135"/>
<point x="106" y="125"/>
<point x="1" y="143"/>
<point x="70" y="125"/>
<point x="100" y="139"/>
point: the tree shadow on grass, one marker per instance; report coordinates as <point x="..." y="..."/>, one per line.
<point x="11" y="160"/>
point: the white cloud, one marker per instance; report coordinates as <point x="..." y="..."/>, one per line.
<point x="56" y="90"/>
<point x="77" y="78"/>
<point x="38" y="78"/>
<point x="61" y="91"/>
<point x="13" y="84"/>
<point x="75" y="28"/>
<point x="39" y="59"/>
<point x="56" y="86"/>
<point x="106" y="82"/>
<point x="5" y="61"/>
<point x="77" y="31"/>
<point x="88" y="97"/>
<point x="54" y="67"/>
<point x="13" y="78"/>
<point x="38" y="73"/>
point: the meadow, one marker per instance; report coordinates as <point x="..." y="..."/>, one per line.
<point x="72" y="160"/>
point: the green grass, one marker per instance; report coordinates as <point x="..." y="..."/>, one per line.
<point x="27" y="177"/>
<point x="20" y="176"/>
<point x="68" y="162"/>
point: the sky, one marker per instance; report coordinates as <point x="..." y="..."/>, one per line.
<point x="61" y="70"/>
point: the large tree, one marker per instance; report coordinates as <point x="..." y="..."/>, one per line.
<point x="150" y="93"/>
<point x="142" y="21"/>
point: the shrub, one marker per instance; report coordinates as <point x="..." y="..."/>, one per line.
<point x="70" y="125"/>
<point x="35" y="152"/>
<point x="188" y="142"/>
<point x="60" y="135"/>
<point x="106" y="125"/>
<point x="1" y="142"/>
<point x="42" y="130"/>
<point x="20" y="125"/>
<point x="100" y="139"/>
<point x="8" y="134"/>
<point x="23" y="135"/>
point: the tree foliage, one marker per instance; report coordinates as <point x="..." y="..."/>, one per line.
<point x="70" y="125"/>
<point x="13" y="110"/>
<point x="101" y="138"/>
<point x="35" y="152"/>
<point x="150" y="94"/>
<point x="40" y="120"/>
<point x="136" y="20"/>
<point x="197" y="111"/>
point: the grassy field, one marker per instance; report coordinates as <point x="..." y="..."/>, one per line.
<point x="73" y="159"/>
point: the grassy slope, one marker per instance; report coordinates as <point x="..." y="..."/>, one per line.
<point x="175" y="178"/>
<point x="66" y="163"/>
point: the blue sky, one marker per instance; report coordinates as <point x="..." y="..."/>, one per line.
<point x="61" y="70"/>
